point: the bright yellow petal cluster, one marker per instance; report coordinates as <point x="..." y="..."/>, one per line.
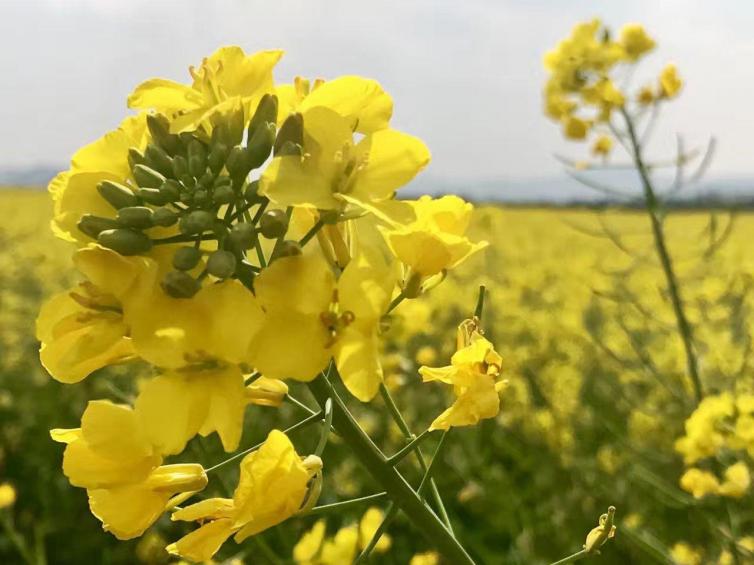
<point x="635" y="41"/>
<point x="670" y="82"/>
<point x="473" y="373"/>
<point x="272" y="487"/>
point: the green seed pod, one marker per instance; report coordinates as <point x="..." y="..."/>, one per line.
<point x="251" y="194"/>
<point x="147" y="177"/>
<point x="260" y="145"/>
<point x="238" y="164"/>
<point x="273" y="224"/>
<point x="288" y="248"/>
<point x="266" y="113"/>
<point x="117" y="195"/>
<point x="221" y="264"/>
<point x="171" y="190"/>
<point x="159" y="127"/>
<point x="156" y="158"/>
<point x="223" y="194"/>
<point x="139" y="217"/>
<point x="196" y="222"/>
<point x="292" y="130"/>
<point x="93" y="225"/>
<point x="217" y="156"/>
<point x="180" y="285"/>
<point x="164" y="217"/>
<point x="186" y="258"/>
<point x="197" y="158"/>
<point x="125" y="241"/>
<point x="135" y="157"/>
<point x="242" y="236"/>
<point x="152" y="196"/>
<point x="180" y="166"/>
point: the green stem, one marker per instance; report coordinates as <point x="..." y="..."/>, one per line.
<point x="311" y="233"/>
<point x="347" y="504"/>
<point x="435" y="458"/>
<point x="578" y="556"/>
<point x="326" y="427"/>
<point x="388" y="477"/>
<point x="18" y="542"/>
<point x="397" y="300"/>
<point x="480" y="303"/>
<point x="412" y="445"/>
<point x="401" y="422"/>
<point x="652" y="206"/>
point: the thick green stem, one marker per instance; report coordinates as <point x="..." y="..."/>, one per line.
<point x="652" y="206"/>
<point x="399" y="491"/>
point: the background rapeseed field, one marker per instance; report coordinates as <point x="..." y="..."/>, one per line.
<point x="596" y="399"/>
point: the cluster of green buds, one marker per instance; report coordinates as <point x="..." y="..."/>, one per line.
<point x="198" y="185"/>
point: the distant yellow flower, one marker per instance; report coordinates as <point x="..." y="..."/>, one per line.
<point x="341" y="548"/>
<point x="426" y="355"/>
<point x="227" y="78"/>
<point x="307" y="549"/>
<point x="7" y="495"/>
<point x="685" y="554"/>
<point x="332" y="166"/>
<point x="635" y="41"/>
<point x="370" y="521"/>
<point x="670" y="82"/>
<point x="271" y="488"/>
<point x="602" y="145"/>
<point x="736" y="480"/>
<point x="646" y="95"/>
<point x="699" y="483"/>
<point x="704" y="435"/>
<point x="310" y="317"/>
<point x="426" y="558"/>
<point x="472" y="372"/>
<point x="360" y="100"/>
<point x="111" y="456"/>
<point x="575" y="128"/>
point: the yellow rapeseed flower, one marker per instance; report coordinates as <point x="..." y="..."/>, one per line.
<point x="699" y="483"/>
<point x="635" y="41"/>
<point x="736" y="480"/>
<point x="602" y="145"/>
<point x="7" y="495"/>
<point x="670" y="82"/>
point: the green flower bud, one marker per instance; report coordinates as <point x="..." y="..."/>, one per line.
<point x="187" y="197"/>
<point x="236" y="124"/>
<point x="135" y="157"/>
<point x="266" y="113"/>
<point x="159" y="127"/>
<point x="238" y="164"/>
<point x="288" y="248"/>
<point x="220" y="229"/>
<point x="93" y="225"/>
<point x="196" y="222"/>
<point x="164" y="217"/>
<point x="207" y="180"/>
<point x="188" y="181"/>
<point x="221" y="264"/>
<point x="117" y="195"/>
<point x="125" y="241"/>
<point x="138" y="217"/>
<point x="260" y="145"/>
<point x="146" y="177"/>
<point x="180" y="166"/>
<point x="223" y="194"/>
<point x="156" y="158"/>
<point x="290" y="148"/>
<point x="217" y="156"/>
<point x="201" y="197"/>
<point x="171" y="190"/>
<point x="242" y="236"/>
<point x="251" y="194"/>
<point x="180" y="285"/>
<point x="197" y="158"/>
<point x="273" y="224"/>
<point x="186" y="258"/>
<point x="152" y="196"/>
<point x="292" y="130"/>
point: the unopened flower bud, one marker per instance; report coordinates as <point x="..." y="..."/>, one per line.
<point x="158" y="159"/>
<point x="125" y="241"/>
<point x="152" y="196"/>
<point x="220" y="229"/>
<point x="160" y="130"/>
<point x="260" y="145"/>
<point x="146" y="177"/>
<point x="251" y="194"/>
<point x="238" y="164"/>
<point x="179" y="284"/>
<point x="93" y="225"/>
<point x="273" y="224"/>
<point x="186" y="258"/>
<point x="117" y="195"/>
<point x="180" y="166"/>
<point x="292" y="130"/>
<point x="197" y="158"/>
<point x="288" y="248"/>
<point x="201" y="197"/>
<point x="188" y="181"/>
<point x="221" y="264"/>
<point x="290" y="148"/>
<point x="196" y="222"/>
<point x="138" y="217"/>
<point x="207" y="180"/>
<point x="164" y="217"/>
<point x="235" y="124"/>
<point x="217" y="156"/>
<point x="171" y="190"/>
<point x="266" y="113"/>
<point x="135" y="157"/>
<point x="242" y="235"/>
<point x="223" y="194"/>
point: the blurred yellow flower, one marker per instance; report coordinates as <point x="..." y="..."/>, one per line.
<point x="699" y="483"/>
<point x="635" y="41"/>
<point x="602" y="145"/>
<point x="7" y="495"/>
<point x="670" y="82"/>
<point x="736" y="480"/>
<point x="575" y="128"/>
<point x="685" y="554"/>
<point x="426" y="558"/>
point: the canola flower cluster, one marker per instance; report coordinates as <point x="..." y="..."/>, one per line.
<point x="234" y="234"/>
<point x="583" y="89"/>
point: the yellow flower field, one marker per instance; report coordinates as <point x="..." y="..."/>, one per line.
<point x="593" y="412"/>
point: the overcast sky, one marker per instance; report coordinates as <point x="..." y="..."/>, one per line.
<point x="466" y="75"/>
